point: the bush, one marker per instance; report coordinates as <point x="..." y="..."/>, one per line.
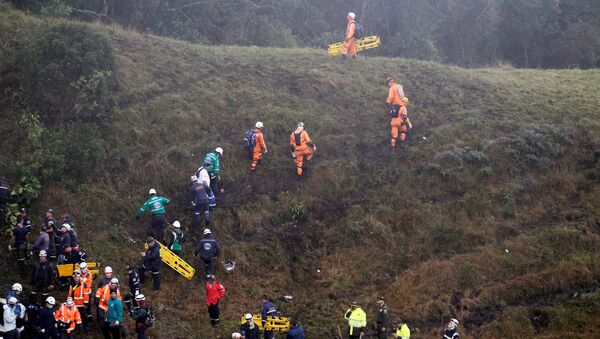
<point x="69" y="74"/>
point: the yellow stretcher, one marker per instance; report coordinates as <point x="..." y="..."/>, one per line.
<point x="365" y="43"/>
<point x="175" y="262"/>
<point x="67" y="270"/>
<point x="279" y="324"/>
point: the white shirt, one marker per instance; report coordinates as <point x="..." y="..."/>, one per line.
<point x="10" y="319"/>
<point x="203" y="177"/>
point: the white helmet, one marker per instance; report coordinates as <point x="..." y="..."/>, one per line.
<point x="176" y="224"/>
<point x="152" y="191"/>
<point x="259" y="125"/>
<point x="51" y="300"/>
<point x="454" y="321"/>
<point x="70" y="301"/>
<point x="194" y="178"/>
<point x="248" y="316"/>
<point x="206" y="231"/>
<point x="140" y="297"/>
<point x="67" y="226"/>
<point x="114" y="281"/>
<point x="108" y="269"/>
<point x="352" y="15"/>
<point x="235" y="335"/>
<point x="17" y="287"/>
<point x="12" y="301"/>
<point x="43" y="253"/>
<point x="83" y="265"/>
<point x="300" y="125"/>
<point x="219" y="150"/>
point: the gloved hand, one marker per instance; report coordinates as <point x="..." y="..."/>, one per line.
<point x="265" y="152"/>
<point x="409" y="125"/>
<point x="293" y="154"/>
<point x="43" y="330"/>
<point x="314" y="148"/>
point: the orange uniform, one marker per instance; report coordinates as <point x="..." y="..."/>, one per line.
<point x="349" y="45"/>
<point x="259" y="148"/>
<point x="68" y="317"/>
<point x="302" y="147"/>
<point x="400" y="121"/>
<point x="80" y="292"/>
<point x="103" y="294"/>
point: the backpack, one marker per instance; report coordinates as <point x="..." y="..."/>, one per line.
<point x="150" y="317"/>
<point x="358" y="31"/>
<point x="250" y="139"/>
<point x="176" y="246"/>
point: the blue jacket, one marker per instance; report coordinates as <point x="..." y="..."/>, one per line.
<point x="264" y="312"/>
<point x="208" y="247"/>
<point x="198" y="193"/>
<point x="152" y="260"/>
<point x="296" y="332"/>
<point x="114" y="311"/>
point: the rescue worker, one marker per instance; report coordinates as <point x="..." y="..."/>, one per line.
<point x="357" y="321"/>
<point x="259" y="148"/>
<point x="46" y="322"/>
<point x="214" y="292"/>
<point x="49" y="218"/>
<point x="451" y="331"/>
<point x="15" y="291"/>
<point x="402" y="330"/>
<point x="302" y="147"/>
<point x="398" y="113"/>
<point x="43" y="277"/>
<point x="42" y="243"/>
<point x="268" y="309"/>
<point x="175" y="243"/>
<point x="208" y="248"/>
<point x="111" y="326"/>
<point x="64" y="244"/>
<point x="296" y="331"/>
<point x="135" y="286"/>
<point x="88" y="278"/>
<point x="67" y="319"/>
<point x="139" y="314"/>
<point x="213" y="159"/>
<point x="79" y="291"/>
<point x="349" y="45"/>
<point x="199" y="196"/>
<point x="103" y="295"/>
<point x="152" y="262"/>
<point x="26" y="219"/>
<point x="20" y="239"/>
<point x="249" y="330"/>
<point x="158" y="224"/>
<point x="382" y="322"/>
<point x="107" y="278"/>
<point x="11" y="312"/>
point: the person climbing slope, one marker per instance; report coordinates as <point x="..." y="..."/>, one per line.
<point x="255" y="144"/>
<point x="398" y="113"/>
<point x="302" y="147"/>
<point x="158" y="224"/>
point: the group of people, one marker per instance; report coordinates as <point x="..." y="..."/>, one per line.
<point x="40" y="316"/>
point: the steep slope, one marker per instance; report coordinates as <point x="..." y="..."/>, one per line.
<point x="490" y="215"/>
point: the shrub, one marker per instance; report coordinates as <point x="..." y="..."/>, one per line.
<point x="69" y="74"/>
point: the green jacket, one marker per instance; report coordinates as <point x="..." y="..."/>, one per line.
<point x="156" y="204"/>
<point x="114" y="311"/>
<point x="214" y="168"/>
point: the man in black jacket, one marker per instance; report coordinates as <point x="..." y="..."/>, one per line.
<point x="152" y="263"/>
<point x="451" y="332"/>
<point x="43" y="276"/>
<point x="208" y="249"/>
<point x="45" y="320"/>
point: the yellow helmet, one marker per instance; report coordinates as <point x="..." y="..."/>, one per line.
<point x="405" y="101"/>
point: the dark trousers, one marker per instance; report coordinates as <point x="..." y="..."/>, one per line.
<point x="141" y="333"/>
<point x="269" y="334"/>
<point x="213" y="312"/>
<point x="158" y="227"/>
<point x="14" y="334"/>
<point x="215" y="185"/>
<point x="84" y="318"/>
<point x="209" y="265"/>
<point x="65" y="335"/>
<point x="155" y="277"/>
<point x="22" y="258"/>
<point x="381" y="334"/>
<point x="202" y="207"/>
<point x="111" y="332"/>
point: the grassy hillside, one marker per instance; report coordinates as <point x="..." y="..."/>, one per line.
<point x="489" y="216"/>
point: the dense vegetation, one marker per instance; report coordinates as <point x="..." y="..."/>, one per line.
<point x="490" y="215"/>
<point x="524" y="33"/>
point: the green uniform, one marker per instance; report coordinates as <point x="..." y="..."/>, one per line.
<point x="155" y="204"/>
<point x="214" y="168"/>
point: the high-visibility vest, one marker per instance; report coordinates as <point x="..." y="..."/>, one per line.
<point x="403" y="332"/>
<point x="68" y="316"/>
<point x="357" y="319"/>
<point x="88" y="277"/>
<point x="80" y="292"/>
<point x="103" y="294"/>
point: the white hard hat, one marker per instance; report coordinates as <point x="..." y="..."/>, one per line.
<point x="152" y="191"/>
<point x="248" y="316"/>
<point x="219" y="150"/>
<point x="51" y="300"/>
<point x="206" y="231"/>
<point x="140" y="297"/>
<point x="259" y="124"/>
<point x="83" y="265"/>
<point x="300" y="125"/>
<point x="17" y="287"/>
<point x="176" y="224"/>
<point x="352" y="15"/>
<point x="114" y="281"/>
<point x="67" y="226"/>
<point x="235" y="335"/>
<point x="455" y="321"/>
<point x="70" y="301"/>
<point x="43" y="253"/>
<point x="108" y="269"/>
<point x="194" y="178"/>
<point x="12" y="301"/>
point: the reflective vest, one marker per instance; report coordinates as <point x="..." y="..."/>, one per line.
<point x="403" y="332"/>
<point x="357" y="319"/>
<point x="103" y="294"/>
<point x="88" y="277"/>
<point x="80" y="292"/>
<point x="68" y="316"/>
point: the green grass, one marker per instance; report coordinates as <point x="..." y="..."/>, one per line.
<point x="508" y="164"/>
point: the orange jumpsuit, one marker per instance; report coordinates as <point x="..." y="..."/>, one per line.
<point x="303" y="148"/>
<point x="395" y="95"/>
<point x="349" y="44"/>
<point x="68" y="316"/>
<point x="259" y="148"/>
